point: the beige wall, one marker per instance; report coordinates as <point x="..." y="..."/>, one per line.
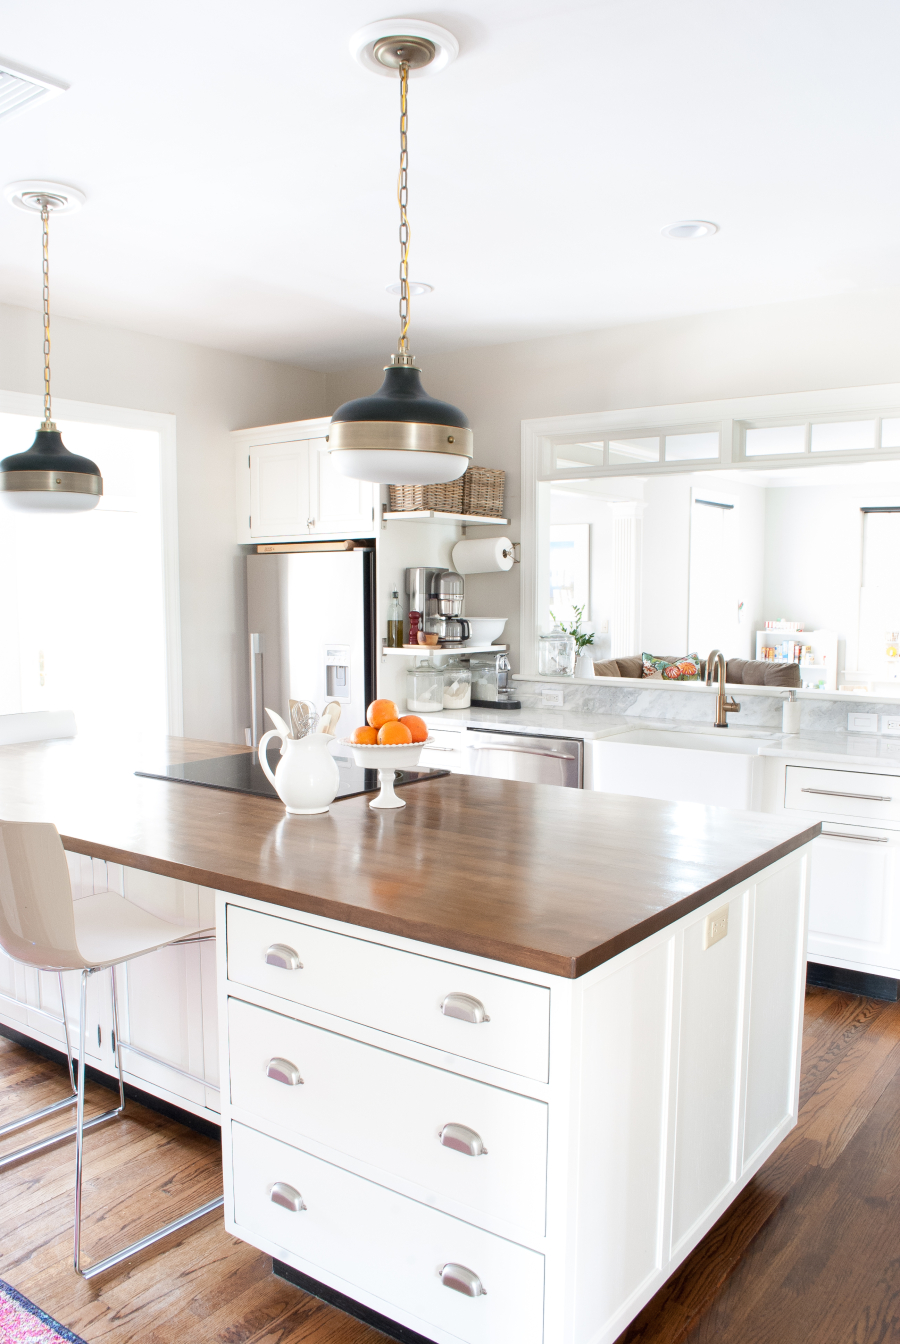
<point x="210" y="392"/>
<point x="841" y="342"/>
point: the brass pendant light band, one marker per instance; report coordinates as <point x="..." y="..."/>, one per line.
<point x="403" y="435"/>
<point x="60" y="482"/>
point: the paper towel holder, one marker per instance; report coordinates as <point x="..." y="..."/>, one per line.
<point x="507" y="553"/>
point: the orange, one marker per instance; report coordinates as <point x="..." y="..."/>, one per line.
<point x="393" y="734"/>
<point x="364" y="737"/>
<point x="418" y="727"/>
<point x="381" y="712"/>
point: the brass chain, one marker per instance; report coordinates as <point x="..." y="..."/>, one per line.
<point x="45" y="217"/>
<point x="402" y="199"/>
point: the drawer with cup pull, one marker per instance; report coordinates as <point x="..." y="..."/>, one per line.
<point x="478" y="1015"/>
<point x="483" y="1147"/>
<point x="440" y="1270"/>
<point x="843" y="793"/>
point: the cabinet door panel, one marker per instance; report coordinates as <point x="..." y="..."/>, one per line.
<point x="338" y="504"/>
<point x="279" y="489"/>
<point x="853" y="896"/>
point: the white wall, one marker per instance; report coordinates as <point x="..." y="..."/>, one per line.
<point x="210" y="392"/>
<point x="837" y="342"/>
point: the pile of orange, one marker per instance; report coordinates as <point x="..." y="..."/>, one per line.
<point x="387" y="729"/>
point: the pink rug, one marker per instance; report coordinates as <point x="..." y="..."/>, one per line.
<point x="21" y="1322"/>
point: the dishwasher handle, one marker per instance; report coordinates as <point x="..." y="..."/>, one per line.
<point x="523" y="751"/>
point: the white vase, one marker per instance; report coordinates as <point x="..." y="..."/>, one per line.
<point x="584" y="664"/>
<point x="307" y="776"/>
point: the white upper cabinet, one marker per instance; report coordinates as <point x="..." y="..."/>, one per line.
<point x="287" y="488"/>
<point x="279" y="490"/>
<point x="339" y="504"/>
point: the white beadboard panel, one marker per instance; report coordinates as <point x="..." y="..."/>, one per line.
<point x="772" y="1064"/>
<point x="163" y="896"/>
<point x="626" y="1028"/>
<point x="708" y="1069"/>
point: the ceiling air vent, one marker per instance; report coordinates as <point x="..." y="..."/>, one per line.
<point x="21" y="88"/>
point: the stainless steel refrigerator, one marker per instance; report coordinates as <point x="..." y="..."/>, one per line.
<point x="311" y="633"/>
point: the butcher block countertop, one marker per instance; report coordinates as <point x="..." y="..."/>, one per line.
<point x="552" y="879"/>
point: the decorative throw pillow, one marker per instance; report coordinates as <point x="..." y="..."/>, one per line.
<point x="686" y="668"/>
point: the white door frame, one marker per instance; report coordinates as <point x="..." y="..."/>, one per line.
<point x="28" y="403"/>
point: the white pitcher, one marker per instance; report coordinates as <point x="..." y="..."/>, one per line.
<point x="307" y="776"/>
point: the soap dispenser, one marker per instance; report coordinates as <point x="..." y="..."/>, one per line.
<point x="790" y="713"/>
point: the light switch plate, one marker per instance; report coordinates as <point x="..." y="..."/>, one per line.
<point x="862" y="723"/>
<point x="890" y="723"/>
<point x="551" y="696"/>
<point x="715" y="927"/>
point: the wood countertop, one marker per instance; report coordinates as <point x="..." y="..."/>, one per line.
<point x="552" y="879"/>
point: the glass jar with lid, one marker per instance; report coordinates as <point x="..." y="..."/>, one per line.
<point x="457" y="685"/>
<point x="424" y="689"/>
<point x="556" y="654"/>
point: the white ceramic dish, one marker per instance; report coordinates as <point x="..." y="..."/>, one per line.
<point x="387" y="760"/>
<point x="485" y="629"/>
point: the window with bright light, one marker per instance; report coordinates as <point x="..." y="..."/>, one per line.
<point x="82" y="604"/>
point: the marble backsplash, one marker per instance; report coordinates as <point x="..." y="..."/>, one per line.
<point x="821" y="716"/>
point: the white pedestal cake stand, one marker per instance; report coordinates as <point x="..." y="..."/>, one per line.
<point x="387" y="761"/>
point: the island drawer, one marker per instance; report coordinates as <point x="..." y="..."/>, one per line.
<point x="390" y="1112"/>
<point x="385" y="1244"/>
<point x="399" y="992"/>
<point x="845" y="793"/>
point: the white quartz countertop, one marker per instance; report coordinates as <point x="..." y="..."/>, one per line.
<point x="835" y="748"/>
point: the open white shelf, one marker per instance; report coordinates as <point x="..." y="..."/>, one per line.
<point x="435" y="516"/>
<point x="427" y="650"/>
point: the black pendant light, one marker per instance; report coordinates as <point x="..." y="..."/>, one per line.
<point x="48" y="477"/>
<point x="400" y="434"/>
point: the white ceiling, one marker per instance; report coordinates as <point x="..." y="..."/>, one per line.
<point x="239" y="166"/>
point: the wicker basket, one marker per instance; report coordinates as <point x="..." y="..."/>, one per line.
<point x="446" y="498"/>
<point x="483" y="492"/>
<point x="479" y="492"/>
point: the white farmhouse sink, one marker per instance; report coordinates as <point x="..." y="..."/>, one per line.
<point x="717" y="768"/>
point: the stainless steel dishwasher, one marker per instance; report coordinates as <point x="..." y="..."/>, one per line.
<point x="533" y="758"/>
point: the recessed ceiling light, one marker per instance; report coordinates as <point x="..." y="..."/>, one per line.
<point x="690" y="228"/>
<point x="415" y="287"/>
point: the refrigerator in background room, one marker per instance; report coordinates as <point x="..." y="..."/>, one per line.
<point x="311" y="633"/>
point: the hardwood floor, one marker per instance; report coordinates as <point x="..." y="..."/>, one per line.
<point x="807" y="1255"/>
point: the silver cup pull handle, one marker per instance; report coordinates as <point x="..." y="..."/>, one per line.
<point x="287" y="1197"/>
<point x="279" y="954"/>
<point x="462" y="1280"/>
<point x="464" y="1006"/>
<point x="283" y="1071"/>
<point x="463" y="1140"/>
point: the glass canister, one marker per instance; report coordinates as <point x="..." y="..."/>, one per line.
<point x="484" y="678"/>
<point x="424" y="689"/>
<point x="556" y="654"/>
<point x="457" y="685"/>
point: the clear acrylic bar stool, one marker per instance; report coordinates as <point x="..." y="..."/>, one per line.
<point x="42" y="926"/>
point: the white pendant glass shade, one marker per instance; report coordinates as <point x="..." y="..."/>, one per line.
<point x="390" y="466"/>
<point x="45" y="501"/>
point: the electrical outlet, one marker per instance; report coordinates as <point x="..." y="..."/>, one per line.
<point x="715" y="927"/>
<point x="862" y="723"/>
<point x="551" y="696"/>
<point x="890" y="748"/>
<point x="604" y="627"/>
<point x="890" y="723"/>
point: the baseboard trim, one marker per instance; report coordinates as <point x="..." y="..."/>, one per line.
<point x="852" y="982"/>
<point x="166" y="1108"/>
<point x="349" y="1305"/>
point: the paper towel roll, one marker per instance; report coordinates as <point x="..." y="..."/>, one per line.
<point x="483" y="557"/>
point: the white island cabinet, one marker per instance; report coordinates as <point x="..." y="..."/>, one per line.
<point x="481" y="1152"/>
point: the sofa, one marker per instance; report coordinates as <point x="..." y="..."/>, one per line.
<point x="738" y="671"/>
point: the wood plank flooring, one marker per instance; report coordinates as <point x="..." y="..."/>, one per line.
<point x="809" y="1253"/>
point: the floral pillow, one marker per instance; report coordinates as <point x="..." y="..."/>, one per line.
<point x="686" y="668"/>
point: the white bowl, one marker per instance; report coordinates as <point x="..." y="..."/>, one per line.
<point x="404" y="756"/>
<point x="485" y="629"/>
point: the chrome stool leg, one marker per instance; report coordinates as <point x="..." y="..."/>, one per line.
<point x="32" y="1148"/>
<point x="89" y="1271"/>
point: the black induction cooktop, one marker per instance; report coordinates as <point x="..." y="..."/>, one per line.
<point x="242" y="773"/>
